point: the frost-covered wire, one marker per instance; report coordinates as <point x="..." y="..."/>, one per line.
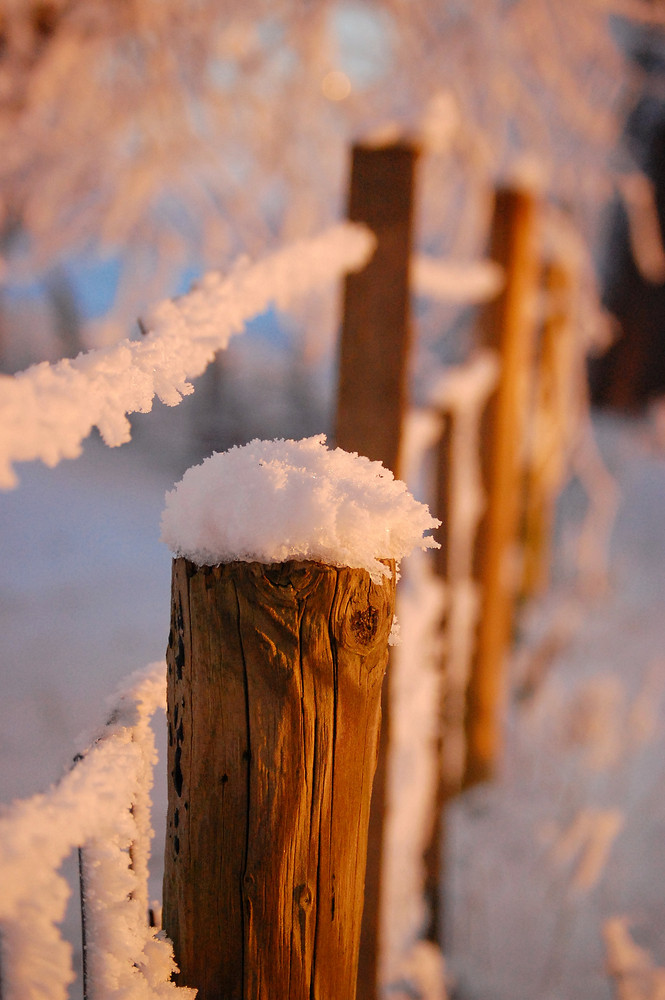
<point x="98" y="805"/>
<point x="48" y="410"/>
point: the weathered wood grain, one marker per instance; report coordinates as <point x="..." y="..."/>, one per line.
<point x="274" y="688"/>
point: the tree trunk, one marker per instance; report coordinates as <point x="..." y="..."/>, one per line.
<point x="274" y="689"/>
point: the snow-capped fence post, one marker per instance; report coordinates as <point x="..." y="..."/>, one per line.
<point x="274" y="706"/>
<point x="507" y="325"/>
<point x="275" y="668"/>
<point x="371" y="403"/>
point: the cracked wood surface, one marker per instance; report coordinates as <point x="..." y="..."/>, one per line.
<point x="274" y="694"/>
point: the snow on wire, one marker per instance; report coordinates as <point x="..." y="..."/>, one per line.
<point x="102" y="807"/>
<point x="49" y="409"/>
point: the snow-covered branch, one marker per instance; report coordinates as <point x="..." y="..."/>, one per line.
<point x="174" y="144"/>
<point x="48" y="410"/>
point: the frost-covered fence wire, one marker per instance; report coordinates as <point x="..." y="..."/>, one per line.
<point x="101" y="806"/>
<point x="48" y="410"/>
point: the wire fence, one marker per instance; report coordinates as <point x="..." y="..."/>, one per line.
<point x="101" y="811"/>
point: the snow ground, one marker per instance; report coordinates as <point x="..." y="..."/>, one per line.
<point x="571" y="834"/>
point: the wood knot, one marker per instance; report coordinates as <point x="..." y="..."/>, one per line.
<point x="303" y="896"/>
<point x="364" y="624"/>
<point x="363" y="611"/>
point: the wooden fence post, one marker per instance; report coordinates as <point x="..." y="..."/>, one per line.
<point x="371" y="397"/>
<point x="274" y="687"/>
<point x="554" y="410"/>
<point x="507" y="325"/>
<point x="433" y="854"/>
<point x="459" y="400"/>
<point x="371" y="402"/>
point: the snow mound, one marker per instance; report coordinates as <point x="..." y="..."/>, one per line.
<point x="270" y="501"/>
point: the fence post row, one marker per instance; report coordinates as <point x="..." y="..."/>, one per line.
<point x="263" y="891"/>
<point x="371" y="402"/>
<point x="274" y="687"/>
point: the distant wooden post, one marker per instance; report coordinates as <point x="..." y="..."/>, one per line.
<point x="553" y="414"/>
<point x="371" y="402"/>
<point x="460" y="400"/>
<point x="372" y="391"/>
<point x="274" y="686"/>
<point x="433" y="854"/>
<point x="508" y="325"/>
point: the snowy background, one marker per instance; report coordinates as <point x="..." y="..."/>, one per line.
<point x="163" y="167"/>
<point x="572" y="833"/>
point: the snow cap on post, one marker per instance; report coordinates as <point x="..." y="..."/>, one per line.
<point x="272" y="501"/>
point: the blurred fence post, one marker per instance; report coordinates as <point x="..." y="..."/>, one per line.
<point x="459" y="401"/>
<point x="274" y="688"/>
<point x="554" y="407"/>
<point x="372" y="391"/>
<point x="371" y="402"/>
<point x="508" y="326"/>
<point x="433" y="855"/>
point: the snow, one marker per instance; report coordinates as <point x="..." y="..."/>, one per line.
<point x="639" y="198"/>
<point x="451" y="281"/>
<point x="271" y="501"/>
<point x="633" y="969"/>
<point x="48" y="410"/>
